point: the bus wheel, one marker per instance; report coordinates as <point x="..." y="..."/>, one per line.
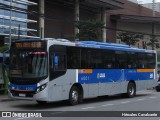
<point x="74" y="96"/>
<point x="157" y="88"/>
<point x="41" y="102"/>
<point x="131" y="90"/>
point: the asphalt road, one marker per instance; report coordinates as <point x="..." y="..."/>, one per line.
<point x="90" y="109"/>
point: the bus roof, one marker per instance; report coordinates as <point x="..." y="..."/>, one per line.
<point x="111" y="46"/>
<point x="93" y="44"/>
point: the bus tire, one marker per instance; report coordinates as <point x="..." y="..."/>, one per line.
<point x="41" y="102"/>
<point x="74" y="96"/>
<point x="131" y="90"/>
<point x="157" y="88"/>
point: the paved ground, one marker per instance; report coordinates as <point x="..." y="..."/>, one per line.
<point x="148" y="100"/>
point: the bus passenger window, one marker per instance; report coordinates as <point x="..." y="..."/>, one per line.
<point x="132" y="60"/>
<point x="73" y="58"/>
<point x="121" y="59"/>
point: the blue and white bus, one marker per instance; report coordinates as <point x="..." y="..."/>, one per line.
<point x="56" y="69"/>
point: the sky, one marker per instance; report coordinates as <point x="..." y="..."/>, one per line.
<point x="148" y="1"/>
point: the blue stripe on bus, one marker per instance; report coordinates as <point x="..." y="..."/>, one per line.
<point x="113" y="47"/>
<point x="23" y="87"/>
<point x="113" y="75"/>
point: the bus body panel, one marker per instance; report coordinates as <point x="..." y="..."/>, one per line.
<point x="94" y="82"/>
<point x="59" y="88"/>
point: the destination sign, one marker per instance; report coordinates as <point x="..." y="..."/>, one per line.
<point x="16" y="72"/>
<point x="29" y="45"/>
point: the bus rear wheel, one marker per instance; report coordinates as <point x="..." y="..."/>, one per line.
<point x="131" y="90"/>
<point x="74" y="96"/>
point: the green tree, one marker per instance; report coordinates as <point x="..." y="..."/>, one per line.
<point x="89" y="30"/>
<point x="154" y="42"/>
<point x="129" y="38"/>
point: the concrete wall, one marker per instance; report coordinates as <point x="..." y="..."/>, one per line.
<point x="111" y="34"/>
<point x="59" y="20"/>
<point x="131" y="8"/>
<point x="142" y="28"/>
<point x="138" y="27"/>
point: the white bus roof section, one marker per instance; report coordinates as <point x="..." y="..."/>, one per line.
<point x="53" y="41"/>
<point x="94" y="44"/>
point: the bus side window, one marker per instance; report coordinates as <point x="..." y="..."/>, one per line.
<point x="59" y="62"/>
<point x="132" y="60"/>
<point x="142" y="60"/>
<point x="121" y="59"/>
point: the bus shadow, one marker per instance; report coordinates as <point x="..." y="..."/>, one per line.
<point x="111" y="98"/>
<point x="60" y="104"/>
<point x="36" y="106"/>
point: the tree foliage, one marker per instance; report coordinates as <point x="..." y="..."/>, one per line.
<point x="89" y="30"/>
<point x="129" y="38"/>
<point x="154" y="42"/>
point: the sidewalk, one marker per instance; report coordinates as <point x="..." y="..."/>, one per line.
<point x="4" y="98"/>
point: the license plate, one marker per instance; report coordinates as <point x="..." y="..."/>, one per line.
<point x="22" y="95"/>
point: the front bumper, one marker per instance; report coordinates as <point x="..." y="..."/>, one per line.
<point x="14" y="95"/>
<point x="22" y="95"/>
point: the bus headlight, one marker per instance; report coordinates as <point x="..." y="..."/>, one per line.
<point x="40" y="88"/>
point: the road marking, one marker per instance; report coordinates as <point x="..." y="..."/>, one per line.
<point x="22" y="118"/>
<point x="88" y="108"/>
<point x="107" y="105"/>
<point x="58" y="112"/>
<point x="18" y="118"/>
<point x="152" y="97"/>
<point x="125" y="102"/>
<point x="140" y="99"/>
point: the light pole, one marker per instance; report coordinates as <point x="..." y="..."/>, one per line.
<point x="153" y="8"/>
<point x="153" y="24"/>
<point x="41" y="18"/>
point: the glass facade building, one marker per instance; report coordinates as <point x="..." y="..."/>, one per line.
<point x="13" y="17"/>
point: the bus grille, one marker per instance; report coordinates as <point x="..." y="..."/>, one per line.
<point x="27" y="94"/>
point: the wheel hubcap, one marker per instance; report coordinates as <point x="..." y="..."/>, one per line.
<point x="74" y="96"/>
<point x="131" y="90"/>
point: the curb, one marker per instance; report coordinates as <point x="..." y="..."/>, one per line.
<point x="5" y="98"/>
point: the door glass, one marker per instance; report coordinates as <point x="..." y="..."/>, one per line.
<point x="59" y="62"/>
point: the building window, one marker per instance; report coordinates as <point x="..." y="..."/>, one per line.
<point x="16" y="22"/>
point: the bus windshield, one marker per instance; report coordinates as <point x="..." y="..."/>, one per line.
<point x="28" y="64"/>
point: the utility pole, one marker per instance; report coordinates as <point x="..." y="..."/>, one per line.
<point x="41" y="18"/>
<point x="153" y="24"/>
<point x="104" y="18"/>
<point x="153" y="8"/>
<point x="10" y="25"/>
<point x="76" y="30"/>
